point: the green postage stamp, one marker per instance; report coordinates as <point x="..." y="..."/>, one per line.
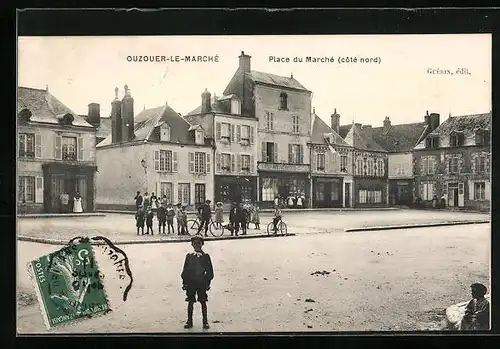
<point x="69" y="285"/>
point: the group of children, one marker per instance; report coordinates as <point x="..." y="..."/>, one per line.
<point x="240" y="217"/>
<point x="165" y="214"/>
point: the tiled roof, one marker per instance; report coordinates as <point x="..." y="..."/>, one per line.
<point x="358" y="139"/>
<point x="320" y="128"/>
<point x="216" y="107"/>
<point x="464" y="123"/>
<point x="397" y="138"/>
<point x="45" y="108"/>
<point x="276" y="80"/>
<point x="148" y="119"/>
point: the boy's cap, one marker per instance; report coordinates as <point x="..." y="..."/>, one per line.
<point x="479" y="287"/>
<point x="179" y="204"/>
<point x="197" y="238"/>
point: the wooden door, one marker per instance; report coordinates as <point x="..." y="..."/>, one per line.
<point x="460" y="195"/>
<point x="347" y="202"/>
<point x="57" y="188"/>
<point x="81" y="187"/>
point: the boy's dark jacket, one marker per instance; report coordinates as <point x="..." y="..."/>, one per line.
<point x="149" y="219"/>
<point x="162" y="213"/>
<point x="189" y="276"/>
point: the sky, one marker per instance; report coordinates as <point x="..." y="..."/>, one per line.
<point x="82" y="70"/>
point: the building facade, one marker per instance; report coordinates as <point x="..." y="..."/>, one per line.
<point x="282" y="107"/>
<point x="163" y="154"/>
<point x="453" y="162"/>
<point x="235" y="155"/>
<point x="331" y="165"/>
<point x="56" y="153"/>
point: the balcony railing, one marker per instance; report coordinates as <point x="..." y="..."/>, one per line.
<point x="282" y="167"/>
<point x="26" y="154"/>
<point x="71" y="157"/>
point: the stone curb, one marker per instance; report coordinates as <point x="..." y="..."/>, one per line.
<point x="423" y="225"/>
<point x="138" y="242"/>
<point x="60" y="215"/>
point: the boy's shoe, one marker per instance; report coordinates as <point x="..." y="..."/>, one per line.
<point x="206" y="326"/>
<point x="188" y="325"/>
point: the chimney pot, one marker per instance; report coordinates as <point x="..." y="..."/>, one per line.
<point x="335" y="121"/>
<point x="387" y="123"/>
<point x="206" y="102"/>
<point x="46" y="88"/>
<point x="94" y="114"/>
<point x="357" y="124"/>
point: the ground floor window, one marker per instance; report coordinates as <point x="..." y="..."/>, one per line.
<point x="269" y="189"/>
<point x="479" y="191"/>
<point x="199" y="194"/>
<point x="284" y="186"/>
<point x="184" y="194"/>
<point x="166" y="189"/>
<point x="370" y="196"/>
<point x="320" y="192"/>
<point x="427" y="191"/>
<point x="26" y="189"/>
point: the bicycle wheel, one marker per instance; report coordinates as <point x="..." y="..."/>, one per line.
<point x="283" y="228"/>
<point x="270" y="228"/>
<point x="192" y="227"/>
<point x="216" y="230"/>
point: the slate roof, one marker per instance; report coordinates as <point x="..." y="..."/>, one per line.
<point x="45" y="108"/>
<point x="104" y="128"/>
<point x="319" y="129"/>
<point x="216" y="107"/>
<point x="148" y="119"/>
<point x="397" y="138"/>
<point x="359" y="139"/>
<point x="276" y="80"/>
<point x="467" y="124"/>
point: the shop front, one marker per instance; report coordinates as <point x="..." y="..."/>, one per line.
<point x="70" y="179"/>
<point x="283" y="185"/>
<point x="400" y="192"/>
<point x="327" y="192"/>
<point x="370" y="192"/>
<point x="230" y="189"/>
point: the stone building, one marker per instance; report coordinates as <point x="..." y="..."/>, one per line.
<point x="399" y="141"/>
<point x="234" y="136"/>
<point x="454" y="162"/>
<point x="331" y="164"/>
<point x="56" y="153"/>
<point x="370" y="188"/>
<point x="282" y="108"/>
<point x="155" y="151"/>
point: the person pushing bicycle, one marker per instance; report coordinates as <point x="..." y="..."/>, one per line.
<point x="276" y="218"/>
<point x="205" y="214"/>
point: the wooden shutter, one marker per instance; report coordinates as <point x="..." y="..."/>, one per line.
<point x="252" y="135"/>
<point x="290" y="154"/>
<point x="264" y="152"/>
<point x="39" y="189"/>
<point x="238" y="133"/>
<point x="487" y="191"/>
<point x="232" y="133"/>
<point x="218" y="159"/>
<point x="38" y="145"/>
<point x="423" y="161"/>
<point x="275" y="157"/>
<point x="158" y="191"/>
<point x="314" y="165"/>
<point x="233" y="169"/>
<point x="191" y="162"/>
<point x="175" y="166"/>
<point x="301" y="154"/>
<point x="251" y="164"/>
<point x="471" y="190"/>
<point x="239" y="163"/>
<point x="80" y="148"/>
<point x="157" y="160"/>
<point x="208" y="162"/>
<point x="328" y="159"/>
<point x="272" y="122"/>
<point x="217" y="130"/>
<point x="57" y="147"/>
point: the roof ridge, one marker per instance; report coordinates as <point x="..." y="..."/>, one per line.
<point x="33" y="88"/>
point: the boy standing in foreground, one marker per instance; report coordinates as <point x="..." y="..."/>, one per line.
<point x="197" y="275"/>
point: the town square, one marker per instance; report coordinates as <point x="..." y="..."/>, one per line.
<point x="254" y="187"/>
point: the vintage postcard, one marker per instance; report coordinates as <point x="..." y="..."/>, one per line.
<point x="221" y="184"/>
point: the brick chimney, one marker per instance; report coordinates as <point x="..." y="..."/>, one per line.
<point x="127" y="116"/>
<point x="358" y="125"/>
<point x="335" y="121"/>
<point x="434" y="121"/>
<point x="245" y="92"/>
<point x="244" y="62"/>
<point x="206" y="103"/>
<point x="427" y="118"/>
<point x="116" y="119"/>
<point x="387" y="124"/>
<point x="94" y="114"/>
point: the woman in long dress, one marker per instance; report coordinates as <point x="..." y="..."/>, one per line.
<point x="77" y="204"/>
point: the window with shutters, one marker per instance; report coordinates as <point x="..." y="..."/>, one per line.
<point x="482" y="137"/>
<point x="26" y="189"/>
<point x="69" y="148"/>
<point x="226" y="162"/>
<point x="432" y="142"/>
<point x="269" y="121"/>
<point x="165" y="133"/>
<point x="184" y="194"/>
<point x="27" y="145"/>
<point x="453" y="164"/>
<point x="343" y="163"/>
<point x="370" y="167"/>
<point x="165" y="161"/>
<point x="200" y="162"/>
<point x="320" y="162"/>
<point x="456" y="139"/>
<point x="166" y="189"/>
<point x="245" y="162"/>
<point x="295" y="156"/>
<point x="359" y="167"/>
<point x="480" y="164"/>
<point x="295" y="124"/>
<point x="226" y="131"/>
<point x="199" y="139"/>
<point x="427" y="164"/>
<point x="283" y="101"/>
<point x="245" y="133"/>
<point x="270" y="150"/>
<point x="479" y="191"/>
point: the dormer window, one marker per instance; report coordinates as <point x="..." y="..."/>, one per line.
<point x="283" y="101"/>
<point x="235" y="106"/>
<point x="25" y="115"/>
<point x="482" y="137"/>
<point x="164" y="133"/>
<point x="456" y="139"/>
<point x="65" y="119"/>
<point x="432" y="142"/>
<point x="199" y="139"/>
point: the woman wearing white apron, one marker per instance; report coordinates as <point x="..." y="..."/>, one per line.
<point x="77" y="204"/>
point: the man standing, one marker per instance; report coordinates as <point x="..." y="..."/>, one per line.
<point x="234" y="217"/>
<point x="64" y="202"/>
<point x="138" y="200"/>
<point x="205" y="213"/>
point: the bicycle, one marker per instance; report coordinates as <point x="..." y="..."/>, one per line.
<point x="194" y="224"/>
<point x="280" y="227"/>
